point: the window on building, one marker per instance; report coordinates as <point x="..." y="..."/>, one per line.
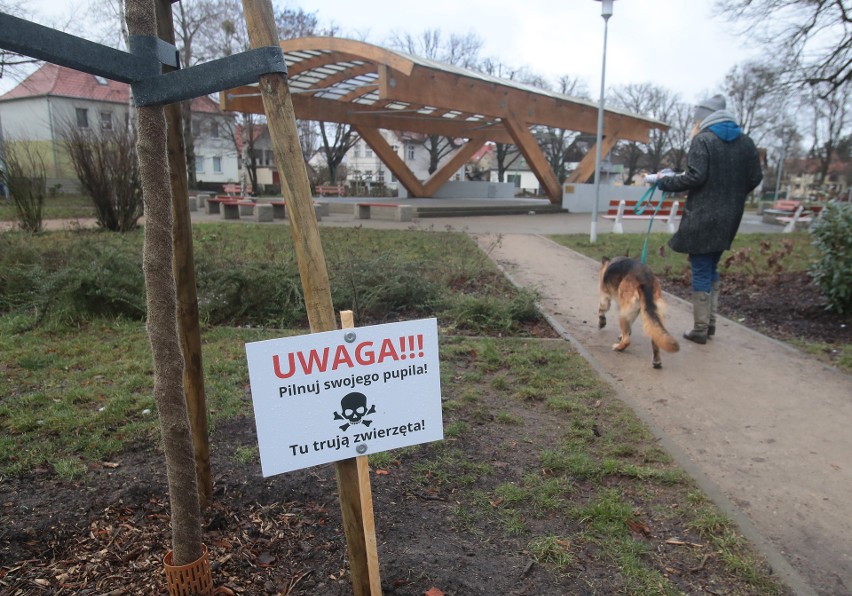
<point x="82" y="118"/>
<point x="106" y="120"/>
<point x="214" y="130"/>
<point x="217" y="165"/>
<point x="258" y="156"/>
<point x="357" y="150"/>
<point x="409" y="152"/>
<point x="368" y="174"/>
<point x="101" y="80"/>
<point x="514" y="178"/>
<point x="368" y="152"/>
<point x="199" y="164"/>
<point x="270" y="157"/>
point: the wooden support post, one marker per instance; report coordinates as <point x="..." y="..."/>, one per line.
<point x="389" y="157"/>
<point x="183" y="264"/>
<point x="529" y="148"/>
<point x="456" y="160"/>
<point x="278" y="105"/>
<point x="364" y="499"/>
<point x="586" y="168"/>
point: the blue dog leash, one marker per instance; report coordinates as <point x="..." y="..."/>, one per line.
<point x="639" y="209"/>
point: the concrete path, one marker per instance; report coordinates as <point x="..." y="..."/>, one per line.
<point x="763" y="428"/>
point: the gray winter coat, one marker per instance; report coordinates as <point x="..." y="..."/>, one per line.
<point x="718" y="178"/>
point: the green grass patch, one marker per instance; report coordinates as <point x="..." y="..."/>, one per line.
<point x="58" y="207"/>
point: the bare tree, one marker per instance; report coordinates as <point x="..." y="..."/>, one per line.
<point x="755" y="97"/>
<point x="11" y="63"/>
<point x="194" y="21"/>
<point x="557" y="142"/>
<point x="814" y="36"/>
<point x="506" y="154"/>
<point x="830" y="116"/>
<point x="337" y="140"/>
<point x="680" y="134"/>
<point x="653" y="101"/>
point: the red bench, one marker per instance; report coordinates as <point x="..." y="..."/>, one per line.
<point x="336" y="189"/>
<point x="232" y="189"/>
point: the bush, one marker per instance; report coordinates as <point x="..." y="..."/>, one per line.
<point x="105" y="163"/>
<point x="25" y="175"/>
<point x="89" y="279"/>
<point x="831" y="235"/>
<point x="262" y="294"/>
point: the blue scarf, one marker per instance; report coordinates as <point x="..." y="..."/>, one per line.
<point x="727" y="131"/>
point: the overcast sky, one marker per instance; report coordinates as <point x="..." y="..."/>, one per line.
<point x="678" y="44"/>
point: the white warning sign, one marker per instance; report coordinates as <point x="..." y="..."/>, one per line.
<point x="328" y="396"/>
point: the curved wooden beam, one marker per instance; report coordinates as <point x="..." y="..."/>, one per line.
<point x="364" y="50"/>
<point x="389" y="157"/>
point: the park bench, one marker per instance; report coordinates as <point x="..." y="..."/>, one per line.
<point x="781" y="208"/>
<point x="619" y="210"/>
<point x="231" y="189"/>
<point x="384" y="211"/>
<point x="213" y="204"/>
<point x="801" y="218"/>
<point x="331" y="189"/>
<point x="279" y="209"/>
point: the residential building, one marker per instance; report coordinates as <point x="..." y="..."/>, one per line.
<point x="54" y="98"/>
<point x="364" y="167"/>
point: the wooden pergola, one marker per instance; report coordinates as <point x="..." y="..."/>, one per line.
<point x="351" y="82"/>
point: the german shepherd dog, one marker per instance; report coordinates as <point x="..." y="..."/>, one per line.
<point x="635" y="287"/>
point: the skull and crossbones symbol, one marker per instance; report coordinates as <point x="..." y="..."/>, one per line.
<point x="354" y="408"/>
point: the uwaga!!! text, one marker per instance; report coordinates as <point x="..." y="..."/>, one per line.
<point x="348" y="357"/>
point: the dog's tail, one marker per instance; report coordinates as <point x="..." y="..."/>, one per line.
<point x="653" y="311"/>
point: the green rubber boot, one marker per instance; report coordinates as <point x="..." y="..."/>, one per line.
<point x="701" y="316"/>
<point x="714" y="307"/>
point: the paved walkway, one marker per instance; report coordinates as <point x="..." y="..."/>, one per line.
<point x="763" y="428"/>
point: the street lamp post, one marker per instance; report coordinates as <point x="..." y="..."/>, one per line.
<point x="606" y="12"/>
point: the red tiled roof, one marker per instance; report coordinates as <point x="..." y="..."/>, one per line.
<point x="60" y="81"/>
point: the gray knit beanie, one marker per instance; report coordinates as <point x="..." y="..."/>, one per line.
<point x="708" y="106"/>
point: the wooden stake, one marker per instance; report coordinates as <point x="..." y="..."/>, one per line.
<point x="184" y="267"/>
<point x="365" y="497"/>
<point x="281" y="120"/>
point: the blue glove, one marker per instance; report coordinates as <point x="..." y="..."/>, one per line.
<point x="660" y="183"/>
